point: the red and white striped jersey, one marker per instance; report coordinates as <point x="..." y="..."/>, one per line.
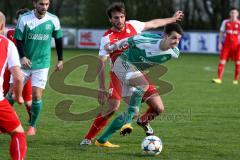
<point x="132" y="28"/>
<point x="8" y="57"/>
<point x="231" y="30"/>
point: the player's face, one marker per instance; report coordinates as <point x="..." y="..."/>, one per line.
<point x="42" y="7"/>
<point x="234" y="15"/>
<point x="173" y="39"/>
<point x="118" y="20"/>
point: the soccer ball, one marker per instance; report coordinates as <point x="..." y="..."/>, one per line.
<point x="152" y="145"/>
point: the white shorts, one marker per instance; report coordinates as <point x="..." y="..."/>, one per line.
<point x="125" y="71"/>
<point x="39" y="77"/>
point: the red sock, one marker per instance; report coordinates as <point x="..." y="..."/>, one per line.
<point x="237" y="71"/>
<point x="18" y="146"/>
<point x="97" y="126"/>
<point x="149" y="115"/>
<point x="220" y="70"/>
<point x="28" y="109"/>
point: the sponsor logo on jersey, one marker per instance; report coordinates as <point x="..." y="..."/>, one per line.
<point x="41" y="37"/>
<point x="48" y="26"/>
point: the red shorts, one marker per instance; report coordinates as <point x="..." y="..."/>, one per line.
<point x="115" y="89"/>
<point x="230" y="51"/>
<point x="27" y="89"/>
<point x="8" y="117"/>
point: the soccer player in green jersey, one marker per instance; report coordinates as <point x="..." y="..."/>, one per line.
<point x="145" y="51"/>
<point x="33" y="33"/>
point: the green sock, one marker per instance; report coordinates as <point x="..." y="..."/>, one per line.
<point x="35" y="111"/>
<point x="125" y="117"/>
<point x="9" y="98"/>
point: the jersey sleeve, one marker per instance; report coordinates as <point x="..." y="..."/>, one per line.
<point x="57" y="33"/>
<point x="13" y="57"/>
<point x="18" y="34"/>
<point x="102" y="51"/>
<point x="223" y="26"/>
<point x="150" y="44"/>
<point x="137" y="25"/>
<point x="145" y="41"/>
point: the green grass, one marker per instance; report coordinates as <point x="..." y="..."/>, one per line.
<point x="201" y="119"/>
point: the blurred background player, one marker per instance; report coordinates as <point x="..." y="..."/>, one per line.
<point x="145" y="51"/>
<point x="231" y="45"/>
<point x="27" y="89"/>
<point x="33" y="34"/>
<point x="9" y="121"/>
<point x="122" y="29"/>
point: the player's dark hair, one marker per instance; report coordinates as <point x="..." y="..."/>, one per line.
<point x="116" y="6"/>
<point x="35" y="1"/>
<point x="234" y="8"/>
<point x="169" y="28"/>
<point x="21" y="11"/>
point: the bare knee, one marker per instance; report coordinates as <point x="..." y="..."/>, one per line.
<point x="222" y="62"/>
<point x="155" y="102"/>
<point x="113" y="106"/>
<point x="36" y="93"/>
<point x="159" y="109"/>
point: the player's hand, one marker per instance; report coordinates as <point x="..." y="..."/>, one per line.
<point x="18" y="99"/>
<point x="220" y="46"/>
<point x="59" y="66"/>
<point x="102" y="96"/>
<point x="178" y="16"/>
<point x="26" y="63"/>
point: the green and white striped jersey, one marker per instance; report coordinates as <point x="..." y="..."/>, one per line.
<point x="144" y="51"/>
<point x="36" y="35"/>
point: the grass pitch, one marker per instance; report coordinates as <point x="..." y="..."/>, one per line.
<point x="201" y="119"/>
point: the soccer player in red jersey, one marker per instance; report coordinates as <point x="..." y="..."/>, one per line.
<point x="122" y="29"/>
<point x="9" y="121"/>
<point x="231" y="45"/>
<point x="27" y="89"/>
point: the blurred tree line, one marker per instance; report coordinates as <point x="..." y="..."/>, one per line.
<point x="199" y="14"/>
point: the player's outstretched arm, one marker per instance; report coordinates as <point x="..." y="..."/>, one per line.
<point x="155" y="23"/>
<point x="17" y="84"/>
<point x="118" y="45"/>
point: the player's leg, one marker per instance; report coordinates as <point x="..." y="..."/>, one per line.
<point x="8" y="96"/>
<point x="27" y="97"/>
<point x="9" y="123"/>
<point x="35" y="109"/>
<point x="237" y="71"/>
<point x="155" y="108"/>
<point x="111" y="107"/>
<point x="101" y="121"/>
<point x="224" y="55"/>
<point x="236" y="59"/>
<point x="39" y="80"/>
<point x="125" y="118"/>
<point x="18" y="144"/>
